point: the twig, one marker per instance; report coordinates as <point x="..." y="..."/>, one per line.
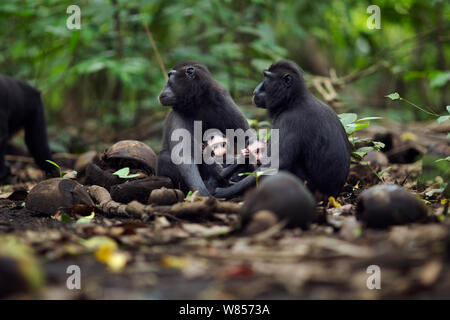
<point x="27" y="159"/>
<point x="205" y="207"/>
<point x="325" y="85"/>
<point x="106" y="204"/>
<point x="399" y="44"/>
<point x="421" y="109"/>
<point x="155" y="49"/>
<point x="15" y="158"/>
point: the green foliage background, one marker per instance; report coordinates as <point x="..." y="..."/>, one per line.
<point x="107" y="74"/>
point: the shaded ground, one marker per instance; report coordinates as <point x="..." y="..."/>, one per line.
<point x="166" y="258"/>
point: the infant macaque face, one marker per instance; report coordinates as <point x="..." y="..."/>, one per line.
<point x="216" y="146"/>
<point x="255" y="151"/>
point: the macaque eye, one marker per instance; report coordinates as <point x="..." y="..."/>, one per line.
<point x="190" y="72"/>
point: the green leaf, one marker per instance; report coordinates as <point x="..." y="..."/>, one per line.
<point x="393" y="96"/>
<point x="443" y="159"/>
<point x="53" y="163"/>
<point x="361" y="152"/>
<point x="378" y="145"/>
<point x="442" y="119"/>
<point x="66" y="218"/>
<point x="440" y="79"/>
<point x="247" y="174"/>
<point x="56" y="165"/>
<point x="124" y="173"/>
<point x="347" y="118"/>
<point x="369" y="118"/>
<point x="361" y="126"/>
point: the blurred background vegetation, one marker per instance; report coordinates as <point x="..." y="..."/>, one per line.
<point x="101" y="83"/>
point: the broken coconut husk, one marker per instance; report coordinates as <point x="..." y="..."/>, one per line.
<point x="125" y="153"/>
<point x="165" y="196"/>
<point x="388" y="204"/>
<point x="130" y="155"/>
<point x="97" y="176"/>
<point x="55" y="194"/>
<point x="138" y="189"/>
<point x="286" y="196"/>
<point x="83" y="161"/>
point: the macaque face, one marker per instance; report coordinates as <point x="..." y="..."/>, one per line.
<point x="255" y="151"/>
<point x="216" y="146"/>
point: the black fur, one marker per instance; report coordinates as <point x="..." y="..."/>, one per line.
<point x="313" y="144"/>
<point x="194" y="95"/>
<point x="21" y="107"/>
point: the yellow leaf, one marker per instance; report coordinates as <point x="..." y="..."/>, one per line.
<point x="117" y="261"/>
<point x="104" y="251"/>
<point x="95" y="242"/>
<point x="174" y="262"/>
<point x="108" y="254"/>
<point x="333" y="202"/>
<point x="408" y="136"/>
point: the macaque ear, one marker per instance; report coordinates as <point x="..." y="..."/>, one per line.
<point x="287" y="80"/>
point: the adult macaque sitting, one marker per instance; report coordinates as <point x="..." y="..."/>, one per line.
<point x="312" y="142"/>
<point x="195" y="97"/>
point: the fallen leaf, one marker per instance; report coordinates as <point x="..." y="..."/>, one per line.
<point x="87" y="219"/>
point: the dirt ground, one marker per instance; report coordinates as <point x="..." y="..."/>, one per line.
<point x="167" y="257"/>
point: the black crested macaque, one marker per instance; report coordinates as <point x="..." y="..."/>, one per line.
<point x="194" y="95"/>
<point x="21" y="107"/>
<point x="313" y="144"/>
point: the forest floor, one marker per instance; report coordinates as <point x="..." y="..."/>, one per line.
<point x="203" y="258"/>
